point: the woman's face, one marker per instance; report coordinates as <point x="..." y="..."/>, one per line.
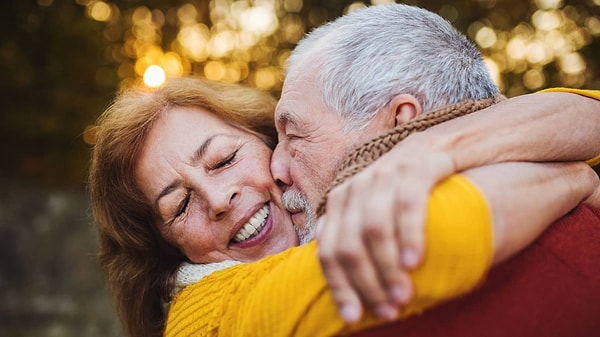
<point x="211" y="185"/>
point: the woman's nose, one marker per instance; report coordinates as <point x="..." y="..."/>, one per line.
<point x="221" y="202"/>
<point x="218" y="196"/>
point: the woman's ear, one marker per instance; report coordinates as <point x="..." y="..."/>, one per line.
<point x="404" y="107"/>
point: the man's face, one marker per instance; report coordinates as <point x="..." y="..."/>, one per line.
<point x="311" y="145"/>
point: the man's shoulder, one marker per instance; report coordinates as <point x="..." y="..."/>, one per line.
<point x="576" y="230"/>
<point x="574" y="240"/>
<point x="550" y="289"/>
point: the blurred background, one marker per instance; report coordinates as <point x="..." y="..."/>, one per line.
<point x="61" y="62"/>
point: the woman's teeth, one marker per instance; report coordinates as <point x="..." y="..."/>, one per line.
<point x="253" y="226"/>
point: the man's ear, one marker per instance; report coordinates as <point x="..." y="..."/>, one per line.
<point x="404" y="107"/>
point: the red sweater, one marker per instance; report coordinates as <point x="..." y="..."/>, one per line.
<point x="550" y="289"/>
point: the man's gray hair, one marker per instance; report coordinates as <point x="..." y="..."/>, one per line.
<point x="370" y="55"/>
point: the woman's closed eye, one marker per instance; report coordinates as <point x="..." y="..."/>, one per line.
<point x="182" y="206"/>
<point x="226" y="161"/>
<point x="181" y="209"/>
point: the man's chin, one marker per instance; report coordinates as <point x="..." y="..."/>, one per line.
<point x="299" y="219"/>
<point x="304" y="226"/>
<point x="302" y="214"/>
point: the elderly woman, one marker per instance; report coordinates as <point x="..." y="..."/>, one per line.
<point x="143" y="240"/>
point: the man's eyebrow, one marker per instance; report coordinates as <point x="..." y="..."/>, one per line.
<point x="198" y="154"/>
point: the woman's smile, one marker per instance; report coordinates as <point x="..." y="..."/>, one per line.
<point x="255" y="230"/>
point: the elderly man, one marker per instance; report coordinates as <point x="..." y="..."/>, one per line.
<point x="369" y="72"/>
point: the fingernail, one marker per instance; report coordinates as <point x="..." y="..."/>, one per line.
<point x="409" y="257"/>
<point x="386" y="311"/>
<point x="350" y="313"/>
<point x="399" y="294"/>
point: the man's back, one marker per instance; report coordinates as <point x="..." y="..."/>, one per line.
<point x="550" y="289"/>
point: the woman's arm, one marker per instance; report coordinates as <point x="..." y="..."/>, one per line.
<point x="526" y="198"/>
<point x="287" y="295"/>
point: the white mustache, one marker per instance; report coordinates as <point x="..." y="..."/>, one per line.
<point x="295" y="201"/>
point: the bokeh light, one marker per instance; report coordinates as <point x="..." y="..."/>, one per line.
<point x="249" y="41"/>
<point x="494" y="71"/>
<point x="214" y="70"/>
<point x="541" y="51"/>
<point x="354" y="6"/>
<point x="381" y="2"/>
<point x="572" y="63"/>
<point x="534" y="79"/>
<point x="548" y="4"/>
<point x="259" y="20"/>
<point x="486" y="37"/>
<point x="99" y="10"/>
<point x="292" y="6"/>
<point x="154" y="76"/>
<point x="193" y="41"/>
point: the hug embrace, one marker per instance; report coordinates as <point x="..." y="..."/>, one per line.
<point x="207" y="195"/>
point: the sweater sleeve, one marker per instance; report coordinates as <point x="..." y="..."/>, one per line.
<point x="287" y="295"/>
<point x="583" y="92"/>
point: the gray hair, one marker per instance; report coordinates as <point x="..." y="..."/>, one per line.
<point x="367" y="57"/>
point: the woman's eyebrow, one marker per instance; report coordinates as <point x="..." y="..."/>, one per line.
<point x="201" y="151"/>
<point x="170" y="188"/>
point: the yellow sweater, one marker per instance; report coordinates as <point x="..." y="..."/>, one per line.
<point x="287" y="295"/>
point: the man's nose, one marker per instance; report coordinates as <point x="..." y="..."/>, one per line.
<point x="280" y="166"/>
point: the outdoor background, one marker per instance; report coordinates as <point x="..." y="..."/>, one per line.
<point x="61" y="62"/>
